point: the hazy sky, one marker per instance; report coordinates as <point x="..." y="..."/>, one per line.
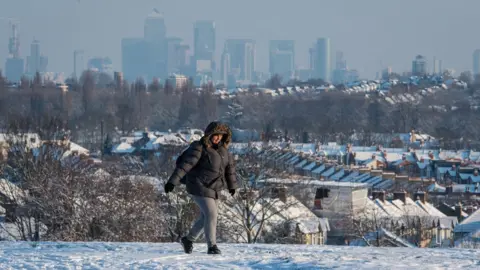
<point x="371" y="33"/>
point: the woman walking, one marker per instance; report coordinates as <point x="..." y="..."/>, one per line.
<point x="208" y="168"/>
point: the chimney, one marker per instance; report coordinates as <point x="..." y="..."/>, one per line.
<point x="458" y="212"/>
<point x="400" y="195"/>
<point x="378" y="195"/>
<point x="145" y="134"/>
<point x="420" y="195"/>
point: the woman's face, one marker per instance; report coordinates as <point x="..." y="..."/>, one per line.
<point x="216" y="138"/>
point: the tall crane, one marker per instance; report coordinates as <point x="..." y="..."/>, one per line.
<point x="14" y="41"/>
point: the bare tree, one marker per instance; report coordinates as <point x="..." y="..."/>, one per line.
<point x="246" y="216"/>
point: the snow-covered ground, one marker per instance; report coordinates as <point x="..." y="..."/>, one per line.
<point x="47" y="255"/>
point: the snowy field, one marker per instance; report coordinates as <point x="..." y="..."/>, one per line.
<point x="22" y="255"/>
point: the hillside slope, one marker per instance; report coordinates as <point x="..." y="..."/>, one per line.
<point x="47" y="255"/>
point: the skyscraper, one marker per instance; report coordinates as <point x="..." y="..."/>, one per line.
<point x="419" y="65"/>
<point x="322" y="59"/>
<point x="172" y="45"/>
<point x="476" y="62"/>
<point x="340" y="62"/>
<point x="155" y="37"/>
<point x="242" y="58"/>
<point x="14" y="66"/>
<point x="437" y="69"/>
<point x="204" y="46"/>
<point x="134" y="57"/>
<point x="154" y="30"/>
<point x="36" y="62"/>
<point x="225" y="67"/>
<point x="282" y="58"/>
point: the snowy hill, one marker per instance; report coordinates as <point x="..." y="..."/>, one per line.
<point x="48" y="255"/>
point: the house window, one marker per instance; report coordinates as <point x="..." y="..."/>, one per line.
<point x="322" y="193"/>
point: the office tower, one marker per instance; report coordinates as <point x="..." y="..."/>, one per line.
<point x="225" y="66"/>
<point x="135" y="55"/>
<point x="242" y="58"/>
<point x="312" y="53"/>
<point x="155" y="37"/>
<point x="204" y="46"/>
<point x="15" y="65"/>
<point x="340" y="62"/>
<point x="282" y="58"/>
<point x="386" y="72"/>
<point x="36" y="62"/>
<point x="173" y="44"/>
<point x="322" y="59"/>
<point x="419" y="66"/>
<point x="340" y="73"/>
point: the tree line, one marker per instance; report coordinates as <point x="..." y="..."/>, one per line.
<point x="119" y="107"/>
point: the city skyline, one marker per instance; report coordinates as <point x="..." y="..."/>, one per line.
<point x="85" y="27"/>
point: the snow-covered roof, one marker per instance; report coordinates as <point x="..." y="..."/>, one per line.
<point x="310" y="166"/>
<point x="314" y="183"/>
<point x="11" y="191"/>
<point x="470" y="224"/>
<point x="409" y="208"/>
<point x="301" y="164"/>
<point x="123" y="148"/>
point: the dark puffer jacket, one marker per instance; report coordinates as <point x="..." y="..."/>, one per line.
<point x="209" y="172"/>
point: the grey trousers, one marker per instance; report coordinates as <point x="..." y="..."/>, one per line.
<point x="206" y="222"/>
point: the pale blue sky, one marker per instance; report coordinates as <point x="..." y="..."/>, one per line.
<point x="369" y="32"/>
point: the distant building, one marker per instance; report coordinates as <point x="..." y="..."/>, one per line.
<point x="15" y="65"/>
<point x="101" y="64"/>
<point x="242" y="58"/>
<point x="322" y="59"/>
<point x="437" y="66"/>
<point x="204" y="46"/>
<point x="173" y="44"/>
<point x="36" y="62"/>
<point x="340" y="62"/>
<point x="134" y="56"/>
<point x="155" y="38"/>
<point x="386" y="73"/>
<point x="476" y="62"/>
<point x="282" y="58"/>
<point x="340" y="73"/>
<point x="225" y="67"/>
<point x="312" y="52"/>
<point x="178" y="81"/>
<point x="14" y="69"/>
<point x="419" y="66"/>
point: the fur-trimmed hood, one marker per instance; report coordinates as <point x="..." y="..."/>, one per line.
<point x="217" y="128"/>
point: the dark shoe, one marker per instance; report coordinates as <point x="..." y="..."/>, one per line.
<point x="214" y="250"/>
<point x="187" y="245"/>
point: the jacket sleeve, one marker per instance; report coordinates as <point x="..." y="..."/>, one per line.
<point x="191" y="158"/>
<point x="230" y="173"/>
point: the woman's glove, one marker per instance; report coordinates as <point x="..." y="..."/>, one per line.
<point x="232" y="192"/>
